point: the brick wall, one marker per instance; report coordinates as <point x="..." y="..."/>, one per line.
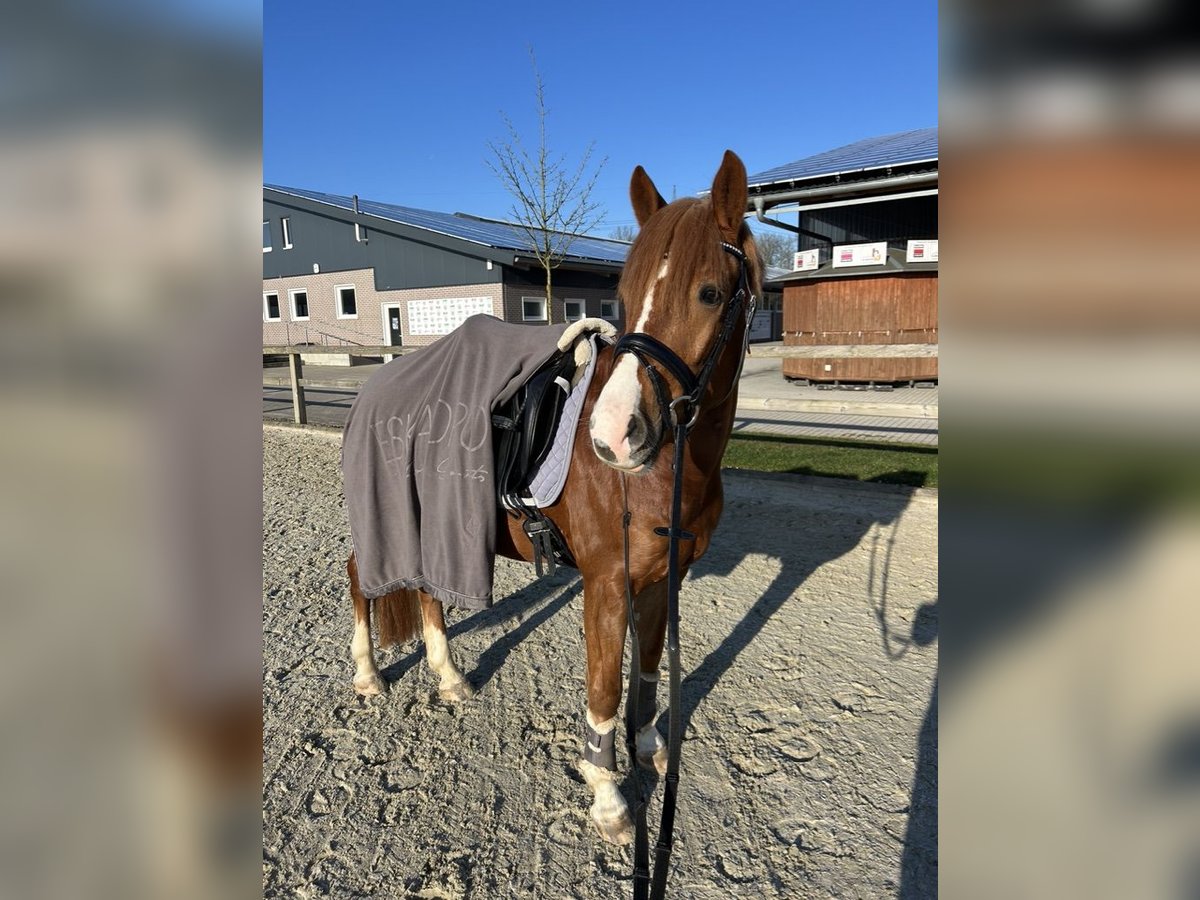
<point x="590" y="296"/>
<point x="438" y="293"/>
<point x="369" y="326"/>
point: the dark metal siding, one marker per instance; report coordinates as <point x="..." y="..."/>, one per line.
<point x="561" y="279"/>
<point x="399" y="261"/>
<point x="894" y="221"/>
<point x="457" y="226"/>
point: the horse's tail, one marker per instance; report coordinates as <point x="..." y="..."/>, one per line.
<point x="397" y="615"/>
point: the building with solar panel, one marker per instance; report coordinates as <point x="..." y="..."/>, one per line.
<point x="866" y="264"/>
<point x="340" y="270"/>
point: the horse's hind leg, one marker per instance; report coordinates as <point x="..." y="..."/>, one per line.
<point x="366" y="675"/>
<point x="453" y="687"/>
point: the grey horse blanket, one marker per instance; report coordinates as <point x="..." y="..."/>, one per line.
<point x="417" y="459"/>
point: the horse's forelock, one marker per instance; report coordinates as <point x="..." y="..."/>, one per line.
<point x="686" y="229"/>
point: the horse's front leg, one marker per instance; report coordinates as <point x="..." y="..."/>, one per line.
<point x="604" y="635"/>
<point x="454" y="687"/>
<point x="651" y="613"/>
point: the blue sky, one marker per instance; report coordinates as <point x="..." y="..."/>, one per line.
<point x="396" y="101"/>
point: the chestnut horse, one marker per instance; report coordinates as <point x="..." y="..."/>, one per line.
<point x="676" y="285"/>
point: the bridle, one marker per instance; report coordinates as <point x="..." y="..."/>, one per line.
<point x="679" y="414"/>
<point x="648" y="351"/>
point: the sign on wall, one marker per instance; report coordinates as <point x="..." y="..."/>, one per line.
<point x="922" y="251"/>
<point x="442" y="316"/>
<point x="806" y="260"/>
<point x="860" y="254"/>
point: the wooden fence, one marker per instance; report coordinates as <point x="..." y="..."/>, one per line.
<point x="296" y="366"/>
<point x="827" y="351"/>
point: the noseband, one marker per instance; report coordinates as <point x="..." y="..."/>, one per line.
<point x="650" y="351"/>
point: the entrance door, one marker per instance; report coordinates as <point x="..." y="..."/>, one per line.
<point x="391" y="326"/>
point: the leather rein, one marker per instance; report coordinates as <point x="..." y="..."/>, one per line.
<point x="678" y="414"/>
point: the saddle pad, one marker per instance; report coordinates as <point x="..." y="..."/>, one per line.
<point x="547" y="483"/>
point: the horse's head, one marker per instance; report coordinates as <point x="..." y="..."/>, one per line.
<point x="680" y="287"/>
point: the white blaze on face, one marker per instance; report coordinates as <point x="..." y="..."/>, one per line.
<point x="619" y="400"/>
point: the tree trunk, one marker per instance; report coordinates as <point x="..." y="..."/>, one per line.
<point x="549" y="299"/>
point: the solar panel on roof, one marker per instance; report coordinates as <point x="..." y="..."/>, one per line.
<point x="499" y="235"/>
<point x="871" y="153"/>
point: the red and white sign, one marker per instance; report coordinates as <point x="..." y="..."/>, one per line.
<point x="806" y="260"/>
<point x="922" y="251"/>
<point x="860" y="255"/>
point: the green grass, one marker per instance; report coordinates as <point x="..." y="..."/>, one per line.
<point x="856" y="460"/>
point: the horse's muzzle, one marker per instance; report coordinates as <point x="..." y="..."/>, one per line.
<point x="634" y="449"/>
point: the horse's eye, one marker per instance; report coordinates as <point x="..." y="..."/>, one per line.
<point x="709" y="295"/>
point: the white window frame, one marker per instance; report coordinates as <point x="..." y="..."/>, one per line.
<point x="267" y="309"/>
<point x="285" y="224"/>
<point x="270" y="237"/>
<point x="541" y="318"/>
<point x="292" y="304"/>
<point x="616" y="310"/>
<point x="337" y="300"/>
<point x="582" y="308"/>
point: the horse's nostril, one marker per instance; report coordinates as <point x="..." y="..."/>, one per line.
<point x="603" y="451"/>
<point x="637" y="432"/>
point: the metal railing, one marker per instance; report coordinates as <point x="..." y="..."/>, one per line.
<point x="327" y="336"/>
<point x="337" y="337"/>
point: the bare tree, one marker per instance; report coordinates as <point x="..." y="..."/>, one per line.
<point x="623" y="233"/>
<point x="552" y="201"/>
<point x="778" y="248"/>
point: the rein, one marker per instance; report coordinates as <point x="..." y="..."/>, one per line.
<point x="680" y="414"/>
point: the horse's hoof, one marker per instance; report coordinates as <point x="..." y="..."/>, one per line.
<point x="655" y="761"/>
<point x="457" y="692"/>
<point x="369" y="685"/>
<point x="615" y="831"/>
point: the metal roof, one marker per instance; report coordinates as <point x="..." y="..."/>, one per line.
<point x="488" y="232"/>
<point x="920" y="145"/>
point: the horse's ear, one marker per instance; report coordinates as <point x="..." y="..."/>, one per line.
<point x="729" y="196"/>
<point x="644" y="196"/>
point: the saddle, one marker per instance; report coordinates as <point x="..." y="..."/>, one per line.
<point x="523" y="434"/>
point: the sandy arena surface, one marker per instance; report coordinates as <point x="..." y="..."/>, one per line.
<point x="810" y="756"/>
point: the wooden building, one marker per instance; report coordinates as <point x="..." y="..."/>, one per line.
<point x="865" y="268"/>
<point x="894" y="305"/>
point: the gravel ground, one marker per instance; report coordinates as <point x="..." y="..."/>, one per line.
<point x="810" y="757"/>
